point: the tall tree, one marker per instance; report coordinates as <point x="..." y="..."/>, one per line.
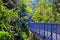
<point x="56" y="10"/>
<point x="43" y="12"/>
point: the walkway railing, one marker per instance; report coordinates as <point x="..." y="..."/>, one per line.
<point x="50" y="31"/>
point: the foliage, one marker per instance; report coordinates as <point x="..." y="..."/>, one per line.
<point x="5" y="36"/>
<point x="23" y="35"/>
<point x="56" y="10"/>
<point x="7" y="15"/>
<point x="14" y="13"/>
<point x="43" y="12"/>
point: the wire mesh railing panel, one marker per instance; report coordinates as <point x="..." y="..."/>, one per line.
<point x="51" y="31"/>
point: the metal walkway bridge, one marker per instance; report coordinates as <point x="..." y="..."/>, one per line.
<point x="49" y="31"/>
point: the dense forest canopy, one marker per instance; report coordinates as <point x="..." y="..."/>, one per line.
<point x="14" y="14"/>
<point x="47" y="11"/>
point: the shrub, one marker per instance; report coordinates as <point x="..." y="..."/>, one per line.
<point x="5" y="36"/>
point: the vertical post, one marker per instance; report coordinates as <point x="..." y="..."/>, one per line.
<point x="44" y="29"/>
<point x="28" y="26"/>
<point x="39" y="29"/>
<point x="51" y="31"/>
<point x="47" y="29"/>
<point x="56" y="30"/>
<point x="35" y="28"/>
<point x="31" y="26"/>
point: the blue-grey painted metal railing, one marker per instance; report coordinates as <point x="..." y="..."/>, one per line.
<point x="50" y="31"/>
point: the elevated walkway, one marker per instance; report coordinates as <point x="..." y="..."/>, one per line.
<point x="47" y="31"/>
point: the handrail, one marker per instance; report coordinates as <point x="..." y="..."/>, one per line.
<point x="48" y="29"/>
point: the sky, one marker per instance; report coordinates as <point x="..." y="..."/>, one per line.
<point x="33" y="3"/>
